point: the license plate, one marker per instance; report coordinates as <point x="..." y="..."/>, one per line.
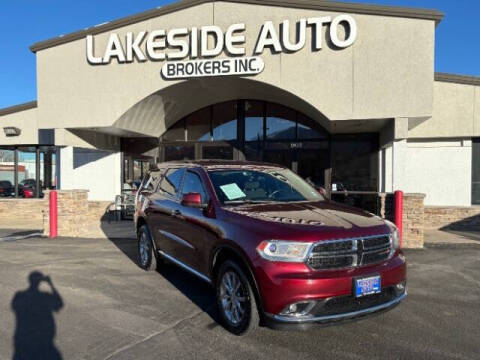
<point x="367" y="286"/>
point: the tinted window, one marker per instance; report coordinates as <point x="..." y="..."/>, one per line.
<point x="309" y="129"/>
<point x="225" y="121"/>
<point x="193" y="184"/>
<point x="172" y="181"/>
<point x="186" y="152"/>
<point x="280" y="122"/>
<point x="254" y="120"/>
<point x="217" y="152"/>
<point x="355" y="162"/>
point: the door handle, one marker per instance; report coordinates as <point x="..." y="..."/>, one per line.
<point x="176" y="213"/>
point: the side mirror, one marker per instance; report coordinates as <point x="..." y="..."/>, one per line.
<point x="193" y="200"/>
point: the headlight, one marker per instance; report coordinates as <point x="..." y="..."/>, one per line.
<point x="395" y="235"/>
<point x="286" y="251"/>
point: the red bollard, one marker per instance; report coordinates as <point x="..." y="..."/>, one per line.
<point x="399" y="214"/>
<point x="53" y="215"/>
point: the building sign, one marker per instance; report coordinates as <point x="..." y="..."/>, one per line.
<point x="216" y="67"/>
<point x="210" y="41"/>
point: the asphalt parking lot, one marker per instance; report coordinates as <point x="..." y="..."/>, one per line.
<point x="99" y="305"/>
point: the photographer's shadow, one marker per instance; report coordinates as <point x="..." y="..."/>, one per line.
<point x="35" y="325"/>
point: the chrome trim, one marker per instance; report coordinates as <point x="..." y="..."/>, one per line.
<point x="186" y="267"/>
<point x="337" y="317"/>
<point x="353" y="252"/>
<point x="176" y="239"/>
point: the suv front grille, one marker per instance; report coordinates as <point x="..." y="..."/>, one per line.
<point x="355" y="252"/>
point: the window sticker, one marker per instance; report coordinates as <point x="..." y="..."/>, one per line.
<point x="232" y="191"/>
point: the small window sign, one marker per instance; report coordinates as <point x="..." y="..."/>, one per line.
<point x="232" y="191"/>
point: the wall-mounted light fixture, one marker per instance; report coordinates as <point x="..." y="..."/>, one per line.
<point x="11" y="131"/>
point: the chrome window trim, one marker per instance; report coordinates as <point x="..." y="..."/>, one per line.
<point x="353" y="252"/>
<point x="176" y="239"/>
<point x="186" y="267"/>
<point x="338" y="317"/>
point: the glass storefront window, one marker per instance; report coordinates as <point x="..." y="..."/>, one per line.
<point x="355" y="162"/>
<point x="224" y="121"/>
<point x="173" y="153"/>
<point x="7" y="173"/>
<point x="27" y="172"/>
<point x="217" y="152"/>
<point x="280" y="122"/>
<point x="198" y="125"/>
<point x="254" y="112"/>
<point x="309" y="129"/>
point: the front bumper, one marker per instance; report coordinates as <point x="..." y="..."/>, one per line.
<point x="287" y="322"/>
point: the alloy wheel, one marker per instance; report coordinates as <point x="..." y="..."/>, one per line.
<point x="144" y="248"/>
<point x="233" y="297"/>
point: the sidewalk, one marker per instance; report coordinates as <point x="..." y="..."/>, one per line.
<point x="451" y="237"/>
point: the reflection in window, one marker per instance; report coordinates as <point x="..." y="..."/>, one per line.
<point x="224" y="122"/>
<point x="309" y="129"/>
<point x="173" y="153"/>
<point x="172" y="181"/>
<point x="27" y="169"/>
<point x="193" y="184"/>
<point x="280" y="122"/>
<point x="355" y="162"/>
<point x="217" y="152"/>
<point x="198" y="125"/>
<point x="7" y="173"/>
<point x="254" y="120"/>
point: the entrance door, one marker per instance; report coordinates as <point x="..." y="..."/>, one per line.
<point x="312" y="166"/>
<point x="310" y="160"/>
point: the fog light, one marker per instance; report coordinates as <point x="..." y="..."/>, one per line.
<point x="400" y="287"/>
<point x="299" y="309"/>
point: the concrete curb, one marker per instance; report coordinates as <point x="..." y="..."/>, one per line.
<point x="21" y="237"/>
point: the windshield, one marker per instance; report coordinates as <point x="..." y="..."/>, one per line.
<point x="257" y="186"/>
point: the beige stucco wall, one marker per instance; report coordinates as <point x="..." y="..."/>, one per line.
<point x="441" y="169"/>
<point x="26" y="121"/>
<point x="387" y="73"/>
<point x="456" y="112"/>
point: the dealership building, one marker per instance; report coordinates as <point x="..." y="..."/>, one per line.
<point x="346" y="95"/>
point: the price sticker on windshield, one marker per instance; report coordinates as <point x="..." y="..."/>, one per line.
<point x="232" y="191"/>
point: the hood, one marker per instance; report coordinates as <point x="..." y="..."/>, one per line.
<point x="322" y="213"/>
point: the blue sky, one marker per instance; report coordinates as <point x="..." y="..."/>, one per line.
<point x="24" y="22"/>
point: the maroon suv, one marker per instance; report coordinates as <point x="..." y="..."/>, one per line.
<point x="276" y="251"/>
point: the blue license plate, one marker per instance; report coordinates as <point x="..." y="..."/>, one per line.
<point x="367" y="286"/>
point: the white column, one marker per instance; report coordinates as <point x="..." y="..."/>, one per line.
<point x="399" y="164"/>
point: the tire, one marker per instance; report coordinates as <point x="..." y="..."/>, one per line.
<point x="235" y="320"/>
<point x="146" y="253"/>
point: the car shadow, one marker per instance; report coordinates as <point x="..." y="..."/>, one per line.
<point x="35" y="328"/>
<point x="197" y="291"/>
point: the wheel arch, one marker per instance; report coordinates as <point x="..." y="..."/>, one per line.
<point x="228" y="252"/>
